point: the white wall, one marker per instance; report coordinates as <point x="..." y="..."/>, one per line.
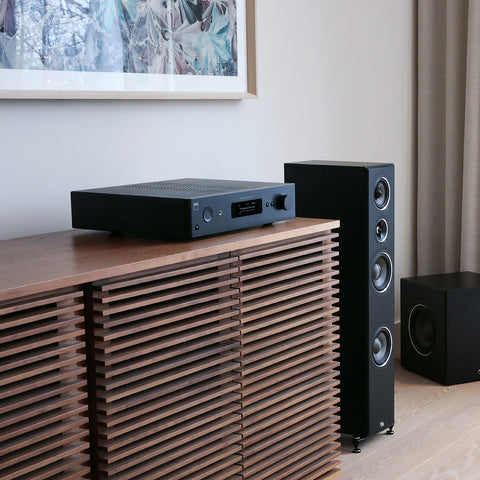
<point x="335" y="81"/>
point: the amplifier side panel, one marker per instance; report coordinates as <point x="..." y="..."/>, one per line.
<point x="139" y="215"/>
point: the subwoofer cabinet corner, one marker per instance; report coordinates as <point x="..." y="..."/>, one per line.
<point x="361" y="196"/>
<point x="213" y="359"/>
<point x="441" y="326"/>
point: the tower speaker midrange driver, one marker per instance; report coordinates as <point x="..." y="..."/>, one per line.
<point x="361" y="196"/>
<point x="441" y="326"/>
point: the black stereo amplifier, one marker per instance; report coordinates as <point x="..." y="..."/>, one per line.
<point x="182" y="209"/>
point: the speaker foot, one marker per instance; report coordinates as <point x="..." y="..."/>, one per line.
<point x="356" y="442"/>
<point x="390" y="431"/>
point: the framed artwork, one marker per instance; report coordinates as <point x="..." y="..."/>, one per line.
<point x="127" y="49"/>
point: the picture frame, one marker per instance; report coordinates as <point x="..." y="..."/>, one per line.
<point x="46" y="83"/>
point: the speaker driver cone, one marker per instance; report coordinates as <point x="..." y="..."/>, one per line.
<point x="382" y="346"/>
<point x="381" y="272"/>
<point x="381" y="230"/>
<point x="381" y="193"/>
<point x="421" y="330"/>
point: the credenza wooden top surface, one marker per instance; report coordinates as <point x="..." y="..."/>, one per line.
<point x="35" y="264"/>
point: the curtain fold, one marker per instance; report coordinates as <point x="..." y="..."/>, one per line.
<point x="448" y="179"/>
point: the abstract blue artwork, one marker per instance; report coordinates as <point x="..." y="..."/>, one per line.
<point x="174" y="38"/>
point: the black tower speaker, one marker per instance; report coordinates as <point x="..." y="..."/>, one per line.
<point x="360" y="195"/>
<point x="441" y="326"/>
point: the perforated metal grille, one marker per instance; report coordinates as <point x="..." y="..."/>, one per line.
<point x="190" y="187"/>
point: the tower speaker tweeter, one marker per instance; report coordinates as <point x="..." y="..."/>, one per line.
<point x="361" y="196"/>
<point x="441" y="326"/>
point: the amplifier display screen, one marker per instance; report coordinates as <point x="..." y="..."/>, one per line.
<point x="249" y="207"/>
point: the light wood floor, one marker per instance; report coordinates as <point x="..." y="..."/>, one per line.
<point x="437" y="435"/>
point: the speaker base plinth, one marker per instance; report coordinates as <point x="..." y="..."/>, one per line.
<point x="356" y="439"/>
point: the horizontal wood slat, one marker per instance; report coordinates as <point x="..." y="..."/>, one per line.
<point x="288" y="452"/>
<point x="32" y="397"/>
<point x="162" y="395"/>
<point x="167" y="453"/>
<point x="320" y="321"/>
<point x="55" y="418"/>
<point x="221" y="262"/>
<point x="298" y="336"/>
<point x="288" y="388"/>
<point x="288" y="268"/>
<point x="324" y="421"/>
<point x="301" y="280"/>
<point x="48" y="459"/>
<point x="196" y="282"/>
<point x="319" y="453"/>
<point x="168" y="430"/>
<point x="50" y="443"/>
<point x="74" y="468"/>
<point x="324" y="468"/>
<point x="44" y="430"/>
<point x="172" y="335"/>
<point x="325" y="238"/>
<point x="321" y="360"/>
<point x="25" y="305"/>
<point x="41" y="340"/>
<point x="184" y="296"/>
<point x="30" y="321"/>
<point x="283" y="260"/>
<point x="35" y="355"/>
<point x="27" y="413"/>
<point x="197" y="305"/>
<point x="25" y="375"/>
<point x="194" y="429"/>
<point x="171" y="323"/>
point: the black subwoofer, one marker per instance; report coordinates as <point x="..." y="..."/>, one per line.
<point x="441" y="326"/>
<point x="361" y="196"/>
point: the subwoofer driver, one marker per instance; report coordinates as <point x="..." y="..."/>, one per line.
<point x="421" y="330"/>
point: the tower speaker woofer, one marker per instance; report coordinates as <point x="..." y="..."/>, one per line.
<point x="441" y="326"/>
<point x="382" y="271"/>
<point x="382" y="346"/>
<point x="361" y="196"/>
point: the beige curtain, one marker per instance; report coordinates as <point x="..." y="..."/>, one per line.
<point x="448" y="188"/>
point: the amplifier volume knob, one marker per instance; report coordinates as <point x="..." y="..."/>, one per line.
<point x="207" y="215"/>
<point x="283" y="202"/>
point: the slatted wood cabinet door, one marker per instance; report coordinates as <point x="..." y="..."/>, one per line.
<point x="287" y="312"/>
<point x="44" y="428"/>
<point x="220" y="368"/>
<point x="167" y="389"/>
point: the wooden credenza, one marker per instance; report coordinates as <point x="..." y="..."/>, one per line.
<point x="125" y="358"/>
